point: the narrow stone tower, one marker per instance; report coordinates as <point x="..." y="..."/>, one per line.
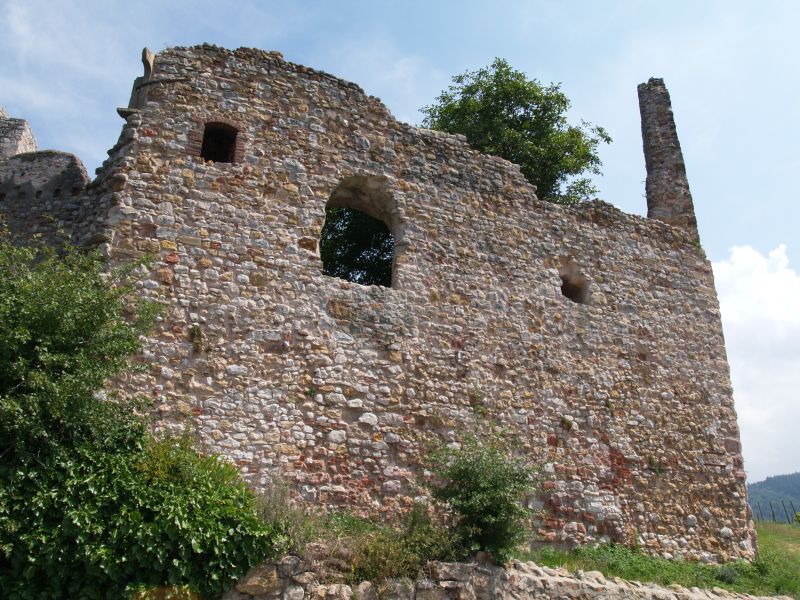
<point x="668" y="195"/>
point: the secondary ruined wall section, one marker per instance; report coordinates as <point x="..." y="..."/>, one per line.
<point x="668" y="195"/>
<point x="47" y="195"/>
<point x="41" y="195"/>
<point x="623" y="396"/>
<point x="16" y="136"/>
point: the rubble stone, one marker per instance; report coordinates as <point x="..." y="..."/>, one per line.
<point x="520" y="580"/>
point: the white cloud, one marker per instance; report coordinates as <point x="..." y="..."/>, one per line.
<point x="761" y="317"/>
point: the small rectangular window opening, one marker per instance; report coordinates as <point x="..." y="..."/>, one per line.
<point x="219" y="143"/>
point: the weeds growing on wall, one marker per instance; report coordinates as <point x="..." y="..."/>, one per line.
<point x="479" y="485"/>
<point x="91" y="505"/>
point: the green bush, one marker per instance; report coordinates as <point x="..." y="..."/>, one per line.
<point x="64" y="329"/>
<point x="101" y="524"/>
<point x="483" y="486"/>
<point x="91" y="506"/>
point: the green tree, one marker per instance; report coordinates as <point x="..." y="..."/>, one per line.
<point x="63" y="332"/>
<point x="502" y="112"/>
<point x="91" y="505"/>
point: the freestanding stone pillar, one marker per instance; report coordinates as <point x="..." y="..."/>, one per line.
<point x="668" y="195"/>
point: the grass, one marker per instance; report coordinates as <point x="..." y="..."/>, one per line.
<point x="776" y="571"/>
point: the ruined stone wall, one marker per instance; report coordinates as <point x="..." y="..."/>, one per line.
<point x="42" y="195"/>
<point x="624" y="399"/>
<point x="15" y="136"/>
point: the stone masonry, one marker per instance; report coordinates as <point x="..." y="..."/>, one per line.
<point x="668" y="195"/>
<point x="16" y="136"/>
<point x="592" y="336"/>
<point x="41" y="194"/>
<point x="294" y="579"/>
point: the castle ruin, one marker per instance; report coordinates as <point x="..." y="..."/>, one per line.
<point x="593" y="336"/>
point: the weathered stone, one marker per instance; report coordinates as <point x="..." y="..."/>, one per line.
<point x="365" y="591"/>
<point x="16" y="136"/>
<point x="451" y="571"/>
<point x="339" y="592"/>
<point x="294" y="592"/>
<point x="337" y="436"/>
<point x="489" y="582"/>
<point x="400" y="588"/>
<point x="668" y="195"/>
<point x="260" y="580"/>
<point x="40" y="195"/>
<point x="290" y="566"/>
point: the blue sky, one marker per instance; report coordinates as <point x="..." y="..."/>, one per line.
<point x="730" y="66"/>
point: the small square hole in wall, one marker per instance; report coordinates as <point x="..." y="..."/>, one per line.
<point x="219" y="143"/>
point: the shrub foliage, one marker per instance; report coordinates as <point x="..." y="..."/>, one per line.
<point x="483" y="485"/>
<point x="384" y="551"/>
<point x="63" y="332"/>
<point x="91" y="505"/>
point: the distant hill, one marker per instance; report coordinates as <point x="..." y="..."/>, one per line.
<point x="778" y="488"/>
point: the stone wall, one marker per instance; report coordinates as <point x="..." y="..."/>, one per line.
<point x="15" y="136"/>
<point x="42" y="194"/>
<point x="292" y="579"/>
<point x="624" y="397"/>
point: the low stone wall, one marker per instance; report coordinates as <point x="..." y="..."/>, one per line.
<point x="291" y="579"/>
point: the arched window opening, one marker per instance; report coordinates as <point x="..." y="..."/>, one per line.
<point x="356" y="244"/>
<point x="574" y="285"/>
<point x="219" y="143"/>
